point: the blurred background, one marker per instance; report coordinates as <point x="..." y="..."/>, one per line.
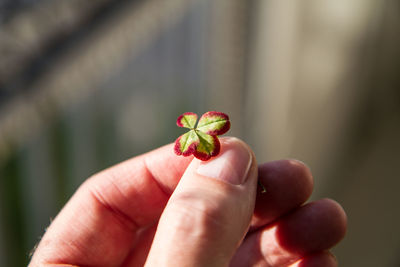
<point x="87" y="84"/>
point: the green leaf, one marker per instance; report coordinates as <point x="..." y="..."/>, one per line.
<point x="201" y="141"/>
<point x="186" y="144"/>
<point x="214" y="123"/>
<point x="187" y="120"/>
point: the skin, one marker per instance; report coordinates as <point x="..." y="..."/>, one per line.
<point x="136" y="214"/>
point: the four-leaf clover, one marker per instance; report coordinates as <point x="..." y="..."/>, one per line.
<point x="201" y="140"/>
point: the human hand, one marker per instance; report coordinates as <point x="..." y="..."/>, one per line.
<point x="136" y="214"/>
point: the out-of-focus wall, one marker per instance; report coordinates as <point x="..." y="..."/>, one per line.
<point x="83" y="87"/>
<point x="324" y="88"/>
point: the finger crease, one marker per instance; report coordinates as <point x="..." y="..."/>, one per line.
<point x="152" y="177"/>
<point x="125" y="220"/>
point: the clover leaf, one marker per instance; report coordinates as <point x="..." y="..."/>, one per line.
<point x="201" y="140"/>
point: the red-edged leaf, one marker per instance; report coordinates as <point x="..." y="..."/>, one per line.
<point x="209" y="146"/>
<point x="186" y="143"/>
<point x="187" y="120"/>
<point x="214" y="123"/>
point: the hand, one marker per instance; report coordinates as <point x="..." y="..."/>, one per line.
<point x="136" y="214"/>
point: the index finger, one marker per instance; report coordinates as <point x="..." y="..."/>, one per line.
<point x="140" y="187"/>
<point x="99" y="223"/>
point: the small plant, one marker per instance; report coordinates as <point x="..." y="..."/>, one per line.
<point x="201" y="141"/>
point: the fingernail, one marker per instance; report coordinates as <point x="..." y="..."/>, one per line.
<point x="231" y="166"/>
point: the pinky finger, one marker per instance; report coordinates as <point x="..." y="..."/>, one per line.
<point x="319" y="259"/>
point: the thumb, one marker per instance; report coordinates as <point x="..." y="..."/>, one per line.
<point x="209" y="212"/>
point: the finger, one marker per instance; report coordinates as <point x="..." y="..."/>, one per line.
<point x="314" y="227"/>
<point x="98" y="225"/>
<point x="320" y="259"/>
<point x="140" y="250"/>
<point x="289" y="184"/>
<point x="209" y="213"/>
